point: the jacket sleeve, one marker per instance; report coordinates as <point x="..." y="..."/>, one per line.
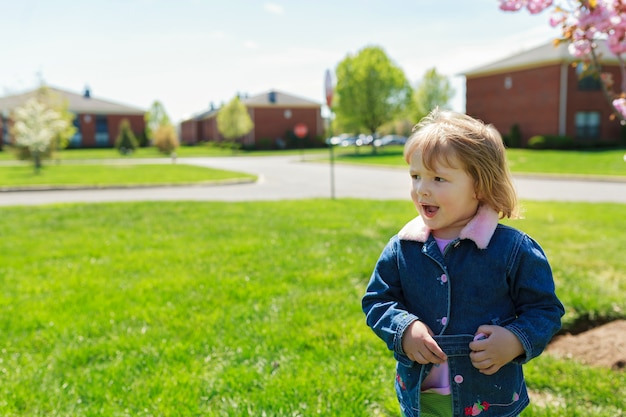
<point x="538" y="309"/>
<point x="383" y="302"/>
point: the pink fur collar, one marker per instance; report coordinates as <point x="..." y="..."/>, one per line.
<point x="479" y="229"/>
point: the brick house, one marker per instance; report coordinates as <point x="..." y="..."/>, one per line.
<point x="97" y="121"/>
<point x="542" y="91"/>
<point x="274" y="115"/>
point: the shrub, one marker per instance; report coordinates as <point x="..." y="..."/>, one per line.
<point x="550" y="142"/>
<point x="264" y="143"/>
<point x="165" y="139"/>
<point x="514" y="137"/>
<point x="126" y="142"/>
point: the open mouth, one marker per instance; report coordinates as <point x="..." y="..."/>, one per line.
<point x="429" y="210"/>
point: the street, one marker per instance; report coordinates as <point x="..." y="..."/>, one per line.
<point x="289" y="177"/>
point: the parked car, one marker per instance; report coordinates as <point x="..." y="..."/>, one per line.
<point x="352" y="140"/>
<point x="348" y="141"/>
<point x="363" y="140"/>
<point x="344" y="139"/>
<point x="391" y="140"/>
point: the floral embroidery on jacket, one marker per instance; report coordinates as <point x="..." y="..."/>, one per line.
<point x="400" y="382"/>
<point x="479" y="407"/>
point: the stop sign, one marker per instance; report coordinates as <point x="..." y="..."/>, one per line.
<point x="300" y="130"/>
<point x="328" y="87"/>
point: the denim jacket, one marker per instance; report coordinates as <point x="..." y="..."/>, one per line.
<point x="492" y="274"/>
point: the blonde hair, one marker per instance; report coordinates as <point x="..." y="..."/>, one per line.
<point x="444" y="135"/>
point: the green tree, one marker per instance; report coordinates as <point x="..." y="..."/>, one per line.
<point x="432" y="91"/>
<point x="155" y="118"/>
<point x="35" y="128"/>
<point x="126" y="142"/>
<point x="371" y="90"/>
<point x="233" y="120"/>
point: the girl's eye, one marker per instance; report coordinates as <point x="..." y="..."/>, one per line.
<point x="415" y="176"/>
<point x="439" y="179"/>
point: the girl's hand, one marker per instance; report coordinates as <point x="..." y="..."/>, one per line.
<point x="499" y="347"/>
<point x="418" y="344"/>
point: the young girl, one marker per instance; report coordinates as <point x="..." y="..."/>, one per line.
<point x="461" y="300"/>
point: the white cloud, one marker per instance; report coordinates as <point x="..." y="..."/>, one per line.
<point x="217" y="35"/>
<point x="250" y="44"/>
<point x="274" y="8"/>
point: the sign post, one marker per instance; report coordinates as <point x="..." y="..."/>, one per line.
<point x="301" y="131"/>
<point x="328" y="88"/>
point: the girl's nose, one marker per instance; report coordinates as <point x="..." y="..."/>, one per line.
<point x="420" y="188"/>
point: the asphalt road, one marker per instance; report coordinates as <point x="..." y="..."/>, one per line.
<point x="292" y="177"/>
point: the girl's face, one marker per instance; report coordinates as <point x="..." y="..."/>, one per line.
<point x="445" y="197"/>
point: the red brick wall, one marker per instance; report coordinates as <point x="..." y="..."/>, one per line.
<point x="189" y="132"/>
<point x="209" y="130"/>
<point x="88" y="127"/>
<point x="88" y="130"/>
<point x="271" y="123"/>
<point x="592" y="101"/>
<point x="532" y="101"/>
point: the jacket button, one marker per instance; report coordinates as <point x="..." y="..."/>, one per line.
<point x="444" y="278"/>
<point x="458" y="379"/>
<point x="444" y="321"/>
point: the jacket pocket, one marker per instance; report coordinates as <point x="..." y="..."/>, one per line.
<point x="407" y="385"/>
<point x="503" y="393"/>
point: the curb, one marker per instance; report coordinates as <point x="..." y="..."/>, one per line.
<point x="232" y="181"/>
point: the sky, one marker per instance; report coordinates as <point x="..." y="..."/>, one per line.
<point x="189" y="54"/>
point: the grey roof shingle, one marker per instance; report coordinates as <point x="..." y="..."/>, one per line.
<point x="281" y="99"/>
<point x="541" y="55"/>
<point x="77" y="103"/>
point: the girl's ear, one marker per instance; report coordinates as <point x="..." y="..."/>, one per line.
<point x="477" y="194"/>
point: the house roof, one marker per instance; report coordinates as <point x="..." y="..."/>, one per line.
<point x="269" y="98"/>
<point x="77" y="103"/>
<point x="278" y="98"/>
<point x="542" y="55"/>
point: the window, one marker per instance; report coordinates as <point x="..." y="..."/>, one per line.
<point x="587" y="124"/>
<point x="102" y="131"/>
<point x="588" y="78"/>
<point x="508" y="82"/>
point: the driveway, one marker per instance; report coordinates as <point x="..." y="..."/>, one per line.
<point x="291" y="177"/>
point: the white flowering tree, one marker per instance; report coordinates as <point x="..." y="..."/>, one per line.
<point x="35" y="126"/>
<point x="583" y="23"/>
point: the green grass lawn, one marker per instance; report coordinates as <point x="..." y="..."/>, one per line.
<point x="577" y="163"/>
<point x="249" y="309"/>
<point x="203" y="150"/>
<point x="100" y="175"/>
<point x="111" y="153"/>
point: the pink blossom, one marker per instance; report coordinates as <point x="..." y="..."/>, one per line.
<point x="617" y="43"/>
<point x="582" y="23"/>
<point x="511" y="5"/>
<point x="580" y="48"/>
<point x="533" y="6"/>
<point x="620" y="106"/>
<point x="537" y="6"/>
<point x="556" y="20"/>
